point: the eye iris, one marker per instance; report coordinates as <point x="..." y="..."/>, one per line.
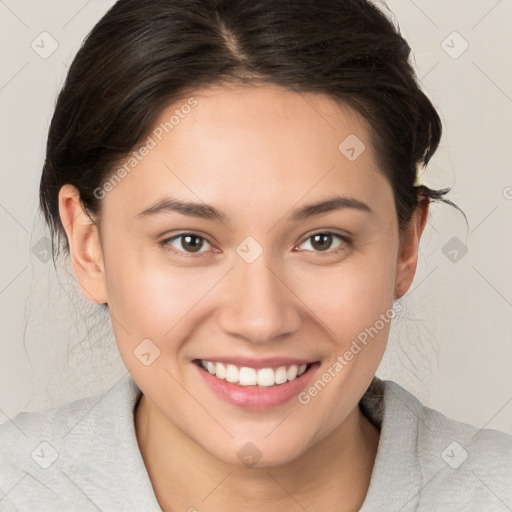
<point x="323" y="245"/>
<point x="187" y="244"/>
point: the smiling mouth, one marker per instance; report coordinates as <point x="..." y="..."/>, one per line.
<point x="245" y="376"/>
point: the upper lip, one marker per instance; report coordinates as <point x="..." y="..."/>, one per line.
<point x="254" y="362"/>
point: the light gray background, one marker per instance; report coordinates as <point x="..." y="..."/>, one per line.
<point x="451" y="347"/>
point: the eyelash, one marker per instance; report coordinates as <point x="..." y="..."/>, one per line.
<point x="166" y="246"/>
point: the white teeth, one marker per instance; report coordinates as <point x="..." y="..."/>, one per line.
<point x="245" y="376"/>
<point x="232" y="373"/>
<point x="220" y="370"/>
<point x="292" y="372"/>
<point x="266" y="377"/>
<point x="281" y="375"/>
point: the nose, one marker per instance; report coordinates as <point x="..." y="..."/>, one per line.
<point x="258" y="305"/>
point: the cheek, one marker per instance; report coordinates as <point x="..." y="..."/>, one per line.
<point x="355" y="302"/>
<point x="151" y="299"/>
<point x="351" y="296"/>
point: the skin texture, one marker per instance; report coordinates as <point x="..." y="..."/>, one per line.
<point x="256" y="154"/>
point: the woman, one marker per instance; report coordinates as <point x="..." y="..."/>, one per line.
<point x="237" y="183"/>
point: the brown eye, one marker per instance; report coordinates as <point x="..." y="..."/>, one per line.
<point x="190" y="243"/>
<point x="322" y="242"/>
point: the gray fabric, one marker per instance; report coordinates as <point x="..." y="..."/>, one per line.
<point x="99" y="465"/>
<point x="420" y="461"/>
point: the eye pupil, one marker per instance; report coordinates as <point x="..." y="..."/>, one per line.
<point x="319" y="245"/>
<point x="194" y="246"/>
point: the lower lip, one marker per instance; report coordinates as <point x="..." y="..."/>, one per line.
<point x="257" y="398"/>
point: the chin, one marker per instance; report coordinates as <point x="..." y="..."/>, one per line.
<point x="259" y="453"/>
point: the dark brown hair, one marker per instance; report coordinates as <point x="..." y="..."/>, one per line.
<point x="146" y="54"/>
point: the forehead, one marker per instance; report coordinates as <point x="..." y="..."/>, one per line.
<point x="251" y="145"/>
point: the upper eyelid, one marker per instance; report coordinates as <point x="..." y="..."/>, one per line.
<point x="185" y="233"/>
<point x="326" y="232"/>
<point x="344" y="238"/>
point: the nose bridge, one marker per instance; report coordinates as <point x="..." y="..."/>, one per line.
<point x="258" y="305"/>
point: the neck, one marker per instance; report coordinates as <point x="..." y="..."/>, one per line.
<point x="186" y="477"/>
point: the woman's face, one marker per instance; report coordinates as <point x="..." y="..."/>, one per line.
<point x="267" y="276"/>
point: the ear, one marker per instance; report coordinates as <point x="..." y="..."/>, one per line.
<point x="84" y="245"/>
<point x="408" y="250"/>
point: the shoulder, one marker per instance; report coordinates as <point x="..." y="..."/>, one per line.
<point x="482" y="449"/>
<point x="466" y="465"/>
<point x="457" y="466"/>
<point x="70" y="458"/>
<point x="30" y="448"/>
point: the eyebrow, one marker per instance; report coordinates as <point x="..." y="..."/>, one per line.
<point x="207" y="212"/>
